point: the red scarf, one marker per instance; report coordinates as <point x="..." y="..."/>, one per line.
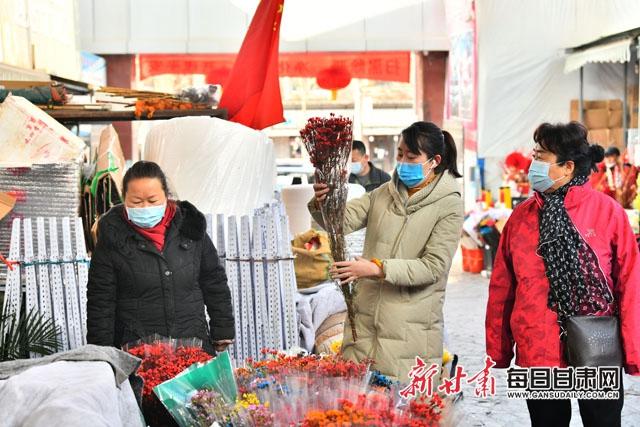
<point x="156" y="234"/>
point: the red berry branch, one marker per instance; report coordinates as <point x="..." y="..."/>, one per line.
<point x="328" y="141"/>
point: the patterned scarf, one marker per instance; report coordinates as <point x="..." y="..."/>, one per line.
<point x="577" y="284"/>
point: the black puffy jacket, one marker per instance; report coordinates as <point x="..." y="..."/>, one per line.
<point x="135" y="291"/>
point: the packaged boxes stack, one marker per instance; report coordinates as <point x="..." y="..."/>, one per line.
<point x="40" y="168"/>
<point x="603" y="118"/>
<point x="632" y="102"/>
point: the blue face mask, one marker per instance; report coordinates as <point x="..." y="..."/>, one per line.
<point x="411" y="174"/>
<point x="146" y="217"/>
<point x="356" y="168"/>
<point x="539" y="176"/>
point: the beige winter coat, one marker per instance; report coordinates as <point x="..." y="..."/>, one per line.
<point x="400" y="317"/>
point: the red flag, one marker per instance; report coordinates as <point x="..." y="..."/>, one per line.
<point x="252" y="93"/>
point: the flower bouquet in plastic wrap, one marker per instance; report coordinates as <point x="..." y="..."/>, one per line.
<point x="328" y="141"/>
<point x="203" y="394"/>
<point x="325" y="390"/>
<point x="291" y="384"/>
<point x="293" y="390"/>
<point x="369" y="409"/>
<point x="162" y="359"/>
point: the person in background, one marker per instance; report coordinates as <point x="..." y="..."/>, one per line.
<point x="413" y="227"/>
<point x="154" y="269"/>
<point x="363" y="172"/>
<point x="616" y="178"/>
<point x="567" y="251"/>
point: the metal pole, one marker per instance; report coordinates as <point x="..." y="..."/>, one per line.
<point x="581" y="101"/>
<point x="625" y="123"/>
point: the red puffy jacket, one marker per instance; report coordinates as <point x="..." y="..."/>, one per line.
<point x="517" y="309"/>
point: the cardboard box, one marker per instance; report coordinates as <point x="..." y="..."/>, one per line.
<point x="615" y="119"/>
<point x="599" y="136"/>
<point x="596" y="119"/>
<point x="6" y="204"/>
<point x="575" y="115"/>
<point x="614" y="104"/>
<point x="616" y="138"/>
<point x="595" y="104"/>
<point x="587" y="105"/>
<point x="110" y="157"/>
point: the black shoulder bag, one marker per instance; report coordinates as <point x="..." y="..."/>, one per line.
<point x="593" y="341"/>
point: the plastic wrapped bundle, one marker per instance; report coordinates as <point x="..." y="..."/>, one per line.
<point x="29" y="135"/>
<point x="220" y="166"/>
<point x="40" y="190"/>
<point x="104" y="188"/>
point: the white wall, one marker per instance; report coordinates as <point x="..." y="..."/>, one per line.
<point x="40" y="34"/>
<point x="218" y="26"/>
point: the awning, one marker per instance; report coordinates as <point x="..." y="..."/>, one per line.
<point x="618" y="51"/>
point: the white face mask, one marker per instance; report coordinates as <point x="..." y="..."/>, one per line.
<point x="539" y="176"/>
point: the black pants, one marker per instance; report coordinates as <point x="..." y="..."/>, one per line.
<point x="594" y="413"/>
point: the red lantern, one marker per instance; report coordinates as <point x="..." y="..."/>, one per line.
<point x="334" y="78"/>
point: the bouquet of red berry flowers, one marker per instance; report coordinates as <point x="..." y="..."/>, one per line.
<point x="328" y="141"/>
<point x="162" y="359"/>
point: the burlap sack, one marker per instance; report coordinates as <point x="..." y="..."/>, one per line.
<point x="311" y="265"/>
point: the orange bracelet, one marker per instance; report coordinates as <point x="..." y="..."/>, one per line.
<point x="377" y="262"/>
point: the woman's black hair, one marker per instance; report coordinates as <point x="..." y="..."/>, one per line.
<point x="426" y="137"/>
<point x="569" y="143"/>
<point x="144" y="169"/>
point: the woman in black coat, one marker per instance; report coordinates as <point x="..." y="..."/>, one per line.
<point x="154" y="269"/>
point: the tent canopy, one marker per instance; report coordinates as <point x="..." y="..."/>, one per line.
<point x="521" y="62"/>
<point x="618" y="51"/>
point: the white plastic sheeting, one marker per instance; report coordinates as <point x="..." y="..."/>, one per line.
<point x="219" y="166"/>
<point x="521" y="57"/>
<point x="29" y="135"/>
<point x="67" y="393"/>
<point x="618" y="51"/>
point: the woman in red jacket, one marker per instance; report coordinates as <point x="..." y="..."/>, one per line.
<point x="567" y="246"/>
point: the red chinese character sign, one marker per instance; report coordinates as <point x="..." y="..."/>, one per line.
<point x="485" y="382"/>
<point x="422" y="378"/>
<point x="392" y="66"/>
<point x="453" y="385"/>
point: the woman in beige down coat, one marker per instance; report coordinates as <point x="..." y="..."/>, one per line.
<point x="413" y="227"/>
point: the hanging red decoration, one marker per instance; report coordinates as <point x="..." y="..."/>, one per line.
<point x="334" y="78"/>
<point x="517" y="161"/>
